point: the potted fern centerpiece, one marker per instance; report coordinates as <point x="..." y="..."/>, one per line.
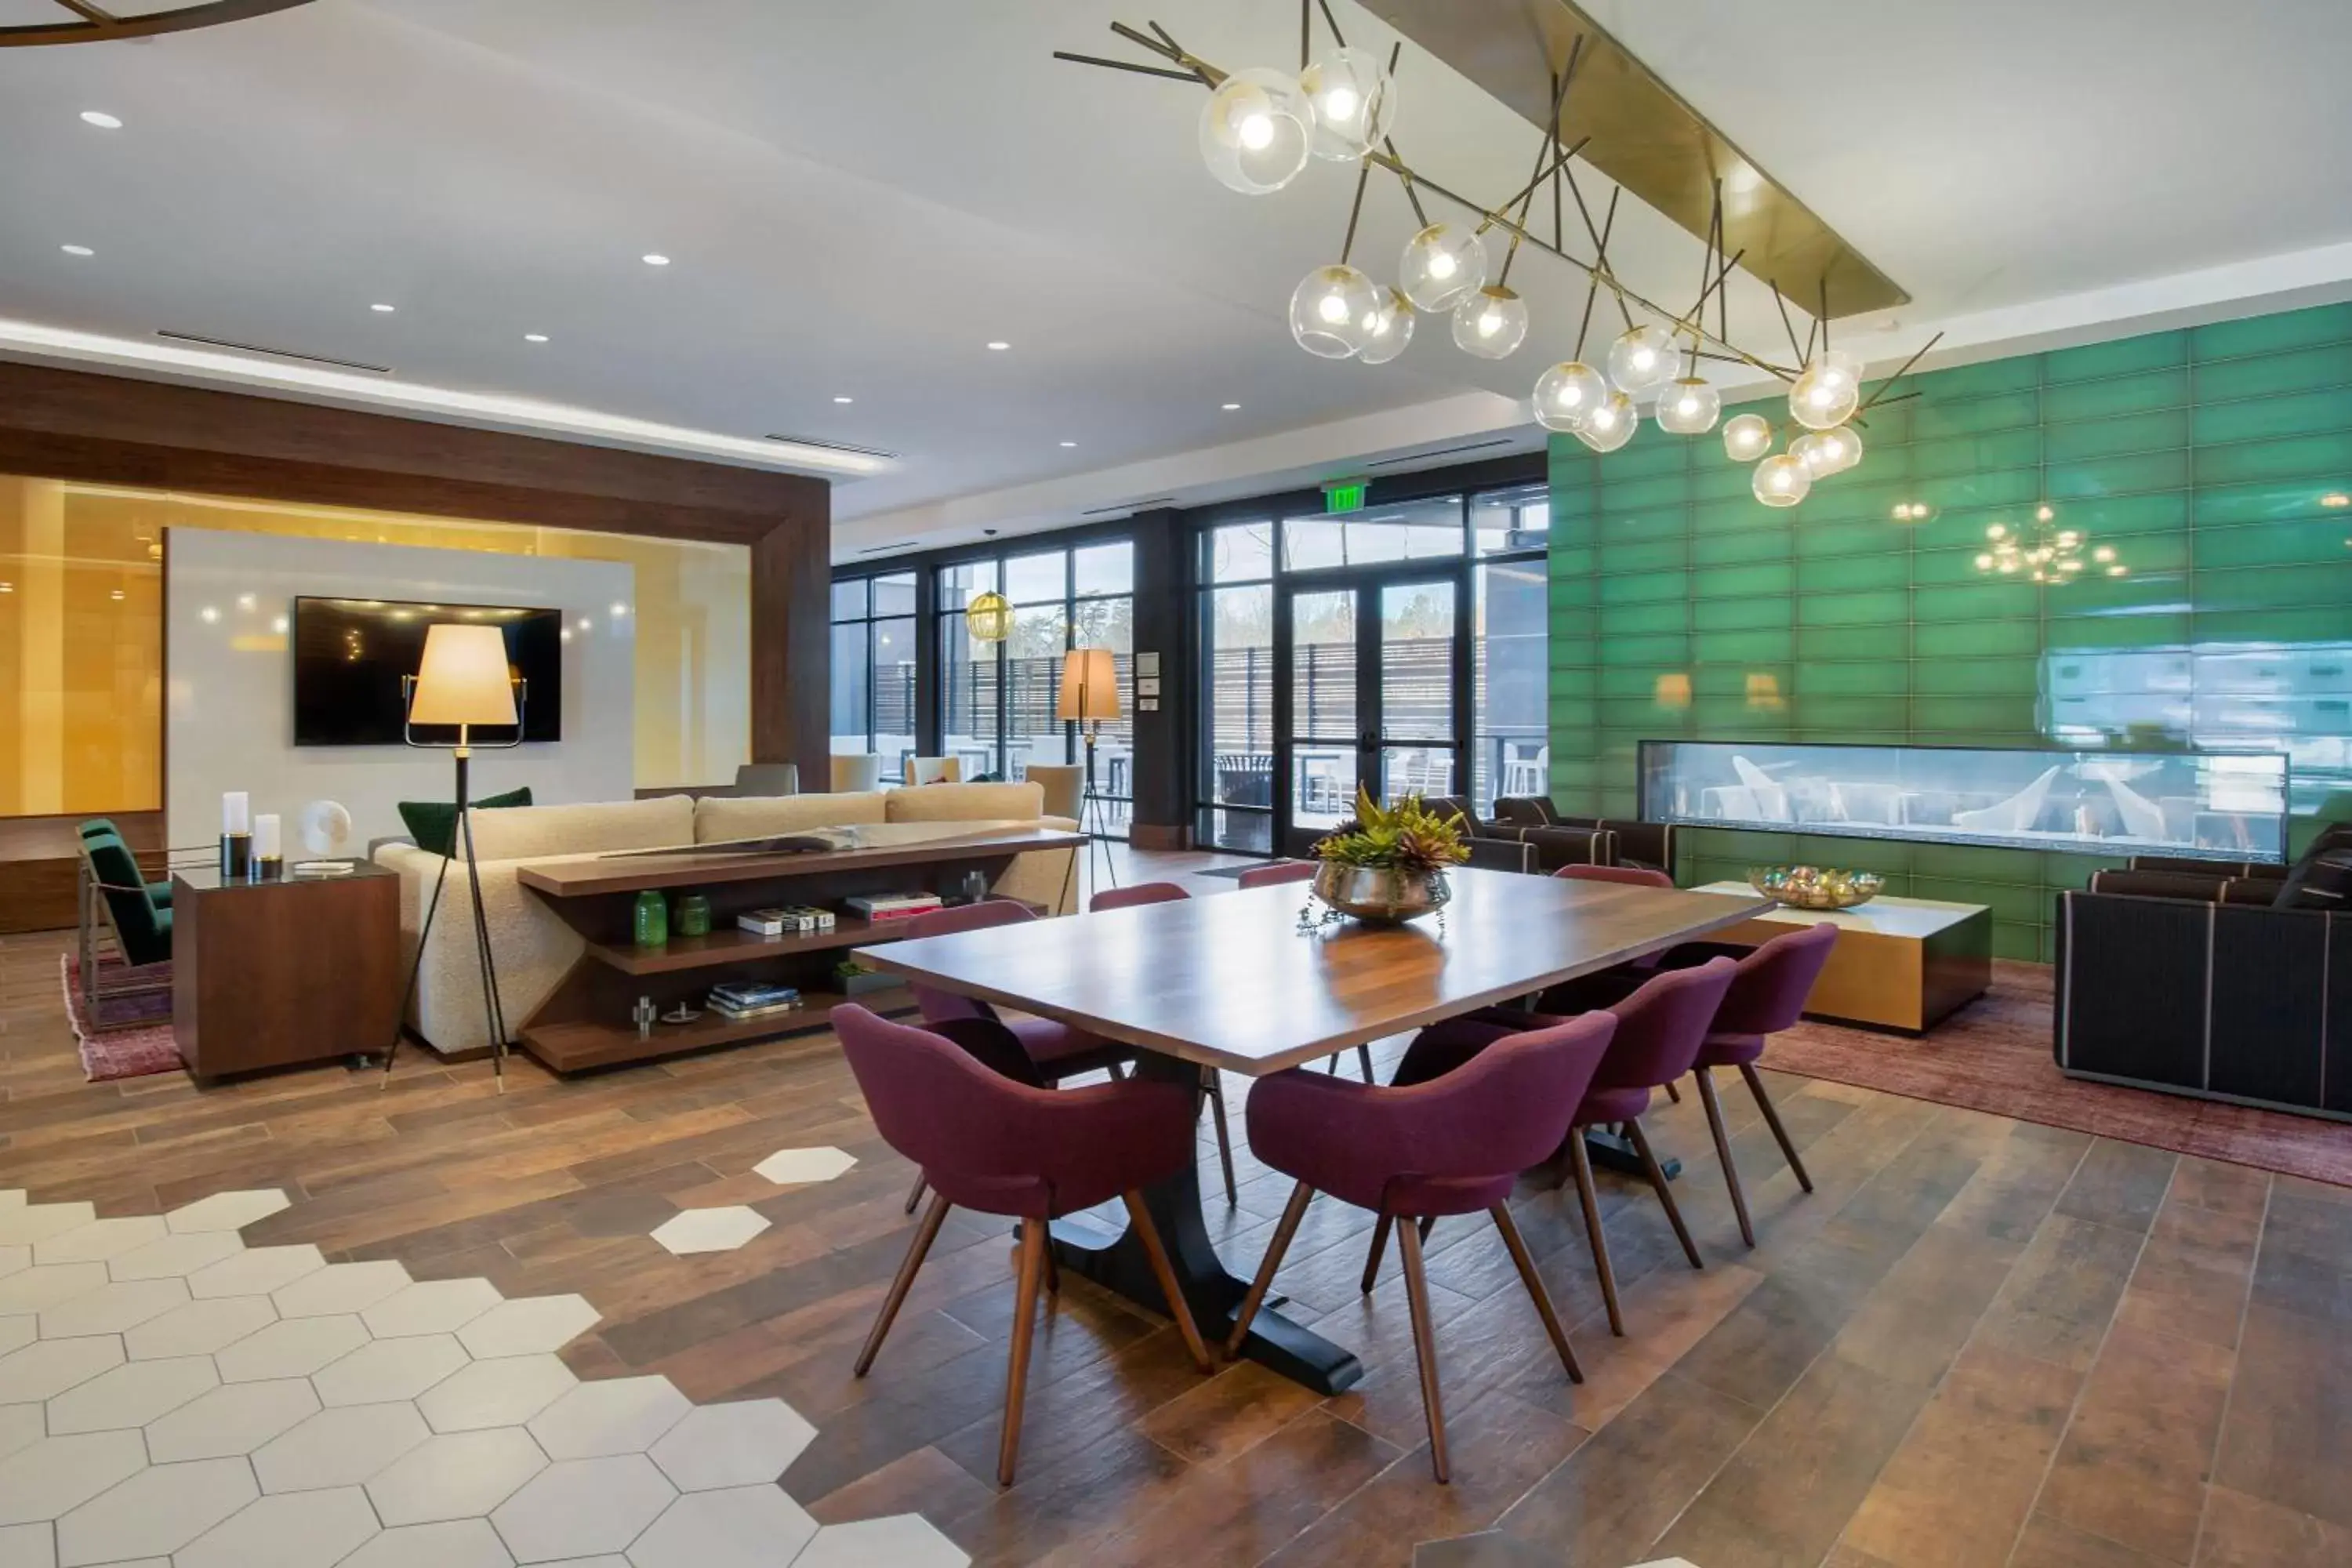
<point x="1389" y="864"/>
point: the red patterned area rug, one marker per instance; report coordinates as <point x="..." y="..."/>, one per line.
<point x="1994" y="1055"/>
<point x="135" y="1039"/>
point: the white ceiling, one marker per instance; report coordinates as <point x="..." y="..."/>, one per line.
<point x="859" y="194"/>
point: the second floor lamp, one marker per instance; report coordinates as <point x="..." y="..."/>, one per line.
<point x="1090" y="695"/>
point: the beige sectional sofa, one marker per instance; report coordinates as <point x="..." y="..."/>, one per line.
<point x="534" y="948"/>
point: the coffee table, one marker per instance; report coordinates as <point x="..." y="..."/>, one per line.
<point x="1903" y="965"/>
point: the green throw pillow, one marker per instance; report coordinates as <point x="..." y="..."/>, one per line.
<point x="434" y="823"/>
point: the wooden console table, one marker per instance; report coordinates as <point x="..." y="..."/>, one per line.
<point x="1904" y="965"/>
<point x="585" y="1023"/>
<point x="270" y="975"/>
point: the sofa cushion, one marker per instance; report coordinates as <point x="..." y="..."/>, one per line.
<point x="533" y="832"/>
<point x="967" y="803"/>
<point x="719" y="818"/>
<point x="433" y="824"/>
<point x="2320" y="880"/>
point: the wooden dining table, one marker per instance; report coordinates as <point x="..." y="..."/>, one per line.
<point x="1257" y="982"/>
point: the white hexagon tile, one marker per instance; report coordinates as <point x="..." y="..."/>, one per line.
<point x="170" y="1398"/>
<point x="793" y="1167"/>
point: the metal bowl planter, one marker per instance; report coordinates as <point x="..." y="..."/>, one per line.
<point x="1382" y="895"/>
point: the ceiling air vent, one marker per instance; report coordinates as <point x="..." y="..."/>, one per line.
<point x="834" y="446"/>
<point x="1128" y="506"/>
<point x="879" y="549"/>
<point x="273" y="354"/>
<point x="1441" y="452"/>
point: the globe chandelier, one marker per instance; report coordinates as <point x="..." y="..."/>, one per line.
<point x="92" y="23"/>
<point x="1262" y="126"/>
<point x="2046" y="552"/>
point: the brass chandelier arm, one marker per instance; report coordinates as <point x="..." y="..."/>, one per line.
<point x="97" y="24"/>
<point x="88" y="12"/>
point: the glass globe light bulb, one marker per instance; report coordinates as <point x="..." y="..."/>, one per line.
<point x="1255" y="131"/>
<point x="1644" y="358"/>
<point x="1747" y="437"/>
<point x="1826" y="395"/>
<point x="1567" y="392"/>
<point x="1331" y="311"/>
<point x="1840" y="449"/>
<point x="1355" y="103"/>
<point x="1390" y="328"/>
<point x="1440" y="265"/>
<point x="1490" y="323"/>
<point x="1689" y="407"/>
<point x="1611" y="425"/>
<point x="1807" y="449"/>
<point x="1781" y="480"/>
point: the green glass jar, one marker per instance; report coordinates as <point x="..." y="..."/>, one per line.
<point x="693" y="915"/>
<point x="652" y="920"/>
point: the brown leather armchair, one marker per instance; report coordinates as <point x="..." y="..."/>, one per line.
<point x="1650" y="844"/>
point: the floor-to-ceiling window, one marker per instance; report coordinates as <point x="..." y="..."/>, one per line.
<point x="874" y="669"/>
<point x="1237" y="685"/>
<point x="1510" y="754"/>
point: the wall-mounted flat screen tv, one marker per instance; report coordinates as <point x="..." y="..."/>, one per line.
<point x="349" y="656"/>
<point x="2222" y="805"/>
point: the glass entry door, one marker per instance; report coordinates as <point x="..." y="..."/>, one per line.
<point x="1371" y="697"/>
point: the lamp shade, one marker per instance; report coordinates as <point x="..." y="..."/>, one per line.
<point x="1089" y="685"/>
<point x="463" y="677"/>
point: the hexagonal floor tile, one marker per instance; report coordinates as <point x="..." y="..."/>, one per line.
<point x="583" y="1506"/>
<point x="461" y="1543"/>
<point x="619" y="1416"/>
<point x="295" y="1348"/>
<point x="235" y="1418"/>
<point x="57" y="1475"/>
<point x="13" y="1259"/>
<point x="526" y="1327"/>
<point x="341" y="1288"/>
<point x="22" y="1224"/>
<point x="431" y="1307"/>
<point x="226" y="1211"/>
<point x="462" y="1475"/>
<point x="298" y="1530"/>
<point x="31" y="1290"/>
<point x="339" y="1448"/>
<point x="710" y="1230"/>
<point x="199" y="1328"/>
<point x="45" y="1370"/>
<point x="156" y="1511"/>
<point x="100" y="1240"/>
<point x="133" y="1394"/>
<point x="177" y="1256"/>
<point x="742" y="1527"/>
<point x="748" y="1443"/>
<point x="20" y="1427"/>
<point x="15" y="1333"/>
<point x="794" y="1167"/>
<point x="111" y="1309"/>
<point x="389" y="1369"/>
<point x="505" y="1392"/>
<point x="902" y="1540"/>
<point x="28" y="1546"/>
<point x="257" y="1271"/>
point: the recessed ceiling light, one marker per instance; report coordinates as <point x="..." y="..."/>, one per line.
<point x="77" y="250"/>
<point x="100" y="118"/>
<point x="1000" y="347"/>
<point x="845" y="400"/>
<point x="383" y="309"/>
<point x="655" y="259"/>
<point x="1069" y="442"/>
<point x="534" y="337"/>
<point x="1231" y="406"/>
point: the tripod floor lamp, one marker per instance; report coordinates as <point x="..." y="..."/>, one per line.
<point x="1090" y="695"/>
<point x="465" y="679"/>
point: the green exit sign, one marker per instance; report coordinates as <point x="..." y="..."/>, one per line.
<point x="1348" y="495"/>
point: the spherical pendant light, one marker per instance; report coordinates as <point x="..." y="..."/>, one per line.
<point x="1827" y="394"/>
<point x="1332" y="311"/>
<point x="1391" y="328"/>
<point x="1689" y="407"/>
<point x="1440" y="265"/>
<point x="1255" y="131"/>
<point x="1644" y="358"/>
<point x="1567" y="392"/>
<point x="1610" y="426"/>
<point x="1831" y="451"/>
<point x="1490" y="323"/>
<point x="1355" y="103"/>
<point x="988" y="619"/>
<point x="1747" y="437"/>
<point x="1781" y="480"/>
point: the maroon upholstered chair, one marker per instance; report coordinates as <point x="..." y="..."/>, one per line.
<point x="1046" y="1051"/>
<point x="1449" y="1147"/>
<point x="988" y="1144"/>
<point x="1169" y="893"/>
<point x="1632" y="876"/>
<point x="1278" y="872"/>
<point x="1768" y="988"/>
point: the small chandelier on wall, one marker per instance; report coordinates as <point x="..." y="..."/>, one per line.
<point x="92" y="26"/>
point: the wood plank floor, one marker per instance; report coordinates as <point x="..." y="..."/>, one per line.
<point x="1979" y="1341"/>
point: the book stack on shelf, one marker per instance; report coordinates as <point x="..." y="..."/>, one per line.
<point x="789" y="919"/>
<point x="741" y="999"/>
<point x="879" y="908"/>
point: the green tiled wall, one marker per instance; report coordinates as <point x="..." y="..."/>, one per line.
<point x="2202" y="456"/>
